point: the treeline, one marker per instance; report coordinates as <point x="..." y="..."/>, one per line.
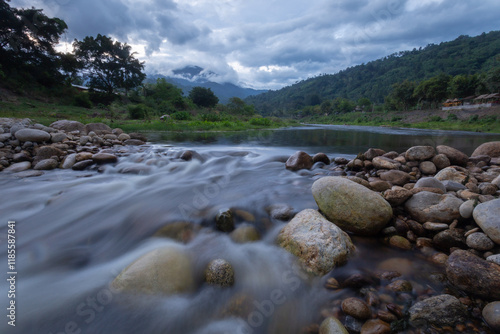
<point x="374" y="80"/>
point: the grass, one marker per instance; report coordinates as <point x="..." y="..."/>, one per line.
<point x="117" y="117"/>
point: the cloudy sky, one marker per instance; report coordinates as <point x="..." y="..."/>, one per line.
<point x="268" y="44"/>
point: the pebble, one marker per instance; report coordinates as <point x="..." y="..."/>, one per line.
<point x="435" y="227"/>
<point x="479" y="241"/>
<point x="376" y="326"/>
<point x="356" y="308"/>
<point x="400" y="242"/>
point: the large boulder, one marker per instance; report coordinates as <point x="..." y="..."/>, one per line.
<point x="68" y="126"/>
<point x="352" y="207"/>
<point x="430" y="182"/>
<point x="452" y="174"/>
<point x="487" y="216"/>
<point x="426" y="206"/>
<point x="442" y="310"/>
<point x="474" y="275"/>
<point x="299" y="160"/>
<point x="166" y="271"/>
<point x="420" y="153"/>
<point x="98" y="128"/>
<point x="396" y="177"/>
<point x="318" y="243"/>
<point x="32" y="135"/>
<point x="455" y="156"/>
<point x="492" y="149"/>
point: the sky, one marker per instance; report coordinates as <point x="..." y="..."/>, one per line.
<point x="269" y="44"/>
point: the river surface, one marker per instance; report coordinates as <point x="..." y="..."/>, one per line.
<point x="76" y="231"/>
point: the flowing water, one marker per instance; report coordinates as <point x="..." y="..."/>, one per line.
<point x="75" y="231"/>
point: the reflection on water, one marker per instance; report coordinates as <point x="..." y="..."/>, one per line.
<point x="77" y="230"/>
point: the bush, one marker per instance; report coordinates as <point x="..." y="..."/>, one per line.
<point x="181" y="116"/>
<point x="210" y="117"/>
<point x="139" y="111"/>
<point x="82" y="100"/>
<point x="435" y="118"/>
<point x="260" y="121"/>
<point x="473" y="118"/>
<point x="101" y="98"/>
<point x="452" y="117"/>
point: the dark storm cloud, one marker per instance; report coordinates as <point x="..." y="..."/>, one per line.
<point x="271" y="43"/>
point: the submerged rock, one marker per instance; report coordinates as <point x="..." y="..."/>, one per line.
<point x="166" y="270"/>
<point x="351" y="206"/>
<point x="442" y="310"/>
<point x="224" y="221"/>
<point x="318" y="243"/>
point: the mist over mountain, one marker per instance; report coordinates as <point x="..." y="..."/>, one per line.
<point x="193" y="76"/>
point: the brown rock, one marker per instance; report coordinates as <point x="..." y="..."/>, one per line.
<point x="492" y="149"/>
<point x="104" y="158"/>
<point x="321" y="157"/>
<point x="441" y="161"/>
<point x="397" y="195"/>
<point x="396" y="177"/>
<point x="356" y="308"/>
<point x="98" y="128"/>
<point x="299" y="160"/>
<point x="380" y="185"/>
<point x="474" y="275"/>
<point x="373" y="152"/>
<point x="455" y="156"/>
<point x="450" y="238"/>
<point x="385" y="163"/>
<point x="376" y="326"/>
<point x="427" y="167"/>
<point x="420" y="153"/>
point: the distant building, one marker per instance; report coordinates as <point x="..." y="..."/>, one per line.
<point x="472" y="102"/>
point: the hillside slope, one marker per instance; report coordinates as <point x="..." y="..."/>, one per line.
<point x="464" y="55"/>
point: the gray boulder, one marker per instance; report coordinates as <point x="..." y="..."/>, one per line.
<point x="352" y="207"/>
<point x="442" y="310"/>
<point x="32" y="135"/>
<point x="46" y="164"/>
<point x="487" y="216"/>
<point x="420" y="153"/>
<point x="18" y="167"/>
<point x="163" y="271"/>
<point x="98" y="128"/>
<point x="68" y="126"/>
<point x="427" y="206"/>
<point x="430" y="182"/>
<point x="492" y="149"/>
<point x="318" y="243"/>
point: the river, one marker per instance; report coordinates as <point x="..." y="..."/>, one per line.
<point x="75" y="231"/>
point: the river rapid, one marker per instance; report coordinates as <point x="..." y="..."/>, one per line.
<point x="76" y="231"/>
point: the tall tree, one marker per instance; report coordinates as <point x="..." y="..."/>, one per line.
<point x="203" y="97"/>
<point x="110" y="64"/>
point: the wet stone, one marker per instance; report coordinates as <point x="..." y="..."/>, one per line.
<point x="219" y="272"/>
<point x="356" y="308"/>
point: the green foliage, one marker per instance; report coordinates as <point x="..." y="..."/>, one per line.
<point x="237" y="106"/>
<point x="139" y="111"/>
<point x="101" y="98"/>
<point x="452" y="117"/>
<point x="260" y="121"/>
<point x="473" y="119"/>
<point x="435" y="118"/>
<point x="210" y="117"/>
<point x="82" y="100"/>
<point x="111" y="65"/>
<point x="402" y="96"/>
<point x="203" y="97"/>
<point x="181" y="116"/>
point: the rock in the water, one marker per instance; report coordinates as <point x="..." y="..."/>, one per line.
<point x="32" y="135"/>
<point x="351" y="206"/>
<point x="280" y="211"/>
<point x="479" y="241"/>
<point x="190" y="155"/>
<point x="420" y="153"/>
<point x="104" y="158"/>
<point x="455" y="156"/>
<point x="396" y="177"/>
<point x="376" y="326"/>
<point x="318" y="243"/>
<point x="442" y="310"/>
<point x="299" y="160"/>
<point x="474" y="275"/>
<point x="245" y="233"/>
<point x="487" y="216"/>
<point x="321" y="157"/>
<point x="46" y="164"/>
<point x="427" y="206"/>
<point x="167" y="271"/>
<point x="224" y="221"/>
<point x="492" y="149"/>
<point x="134" y="142"/>
<point x="451" y="174"/>
<point x="332" y="325"/>
<point x="430" y="182"/>
<point x="68" y="126"/>
<point x="81" y="165"/>
<point x="491" y="314"/>
<point x="219" y="272"/>
<point x="18" y="167"/>
<point x="356" y="308"/>
<point x="69" y="161"/>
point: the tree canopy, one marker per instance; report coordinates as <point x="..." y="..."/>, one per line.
<point x="203" y="97"/>
<point x="110" y="64"/>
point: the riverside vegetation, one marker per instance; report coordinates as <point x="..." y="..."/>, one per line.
<point x="435" y="201"/>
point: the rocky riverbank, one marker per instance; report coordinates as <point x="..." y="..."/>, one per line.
<point x="33" y="148"/>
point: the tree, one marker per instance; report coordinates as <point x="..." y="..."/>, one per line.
<point x="463" y="86"/>
<point x="27" y="40"/>
<point x="203" y="97"/>
<point x="110" y="65"/>
<point x="493" y="80"/>
<point x="237" y="106"/>
<point x="402" y="95"/>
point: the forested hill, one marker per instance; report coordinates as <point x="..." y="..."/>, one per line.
<point x="464" y="55"/>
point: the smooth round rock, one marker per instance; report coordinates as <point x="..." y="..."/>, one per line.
<point x="245" y="233"/>
<point x="430" y="182"/>
<point x="487" y="216"/>
<point x="467" y="208"/>
<point x="427" y="206"/>
<point x="224" y="221"/>
<point x="494" y="258"/>
<point x="97" y="128"/>
<point x="356" y="308"/>
<point x="46" y="164"/>
<point x="162" y="271"/>
<point x="491" y="314"/>
<point x="123" y="137"/>
<point x="400" y="242"/>
<point x="332" y="325"/>
<point x="455" y="156"/>
<point x="133" y="142"/>
<point x="491" y="148"/>
<point x="420" y="153"/>
<point x="18" y="167"/>
<point x="69" y="161"/>
<point x="397" y="195"/>
<point x="474" y="275"/>
<point x="447" y="239"/>
<point x="81" y="165"/>
<point x="319" y="244"/>
<point x="451" y="174"/>
<point x="299" y="160"/>
<point x="427" y="167"/>
<point x="479" y="241"/>
<point x="376" y="326"/>
<point x="385" y="163"/>
<point x="58" y="137"/>
<point x="32" y="135"/>
<point x="441" y="161"/>
<point x="442" y="310"/>
<point x="219" y="272"/>
<point x="321" y="157"/>
<point x="352" y="207"/>
<point x="400" y="285"/>
<point x="68" y="126"/>
<point x="396" y="177"/>
<point x="104" y="158"/>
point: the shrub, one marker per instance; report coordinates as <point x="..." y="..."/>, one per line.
<point x="139" y="111"/>
<point x="435" y="118"/>
<point x="473" y="118"/>
<point x="210" y="117"/>
<point x="181" y="116"/>
<point x="82" y="100"/>
<point x="260" y="121"/>
<point x="452" y="117"/>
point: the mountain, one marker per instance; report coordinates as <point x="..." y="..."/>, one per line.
<point x="374" y="80"/>
<point x="192" y="76"/>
